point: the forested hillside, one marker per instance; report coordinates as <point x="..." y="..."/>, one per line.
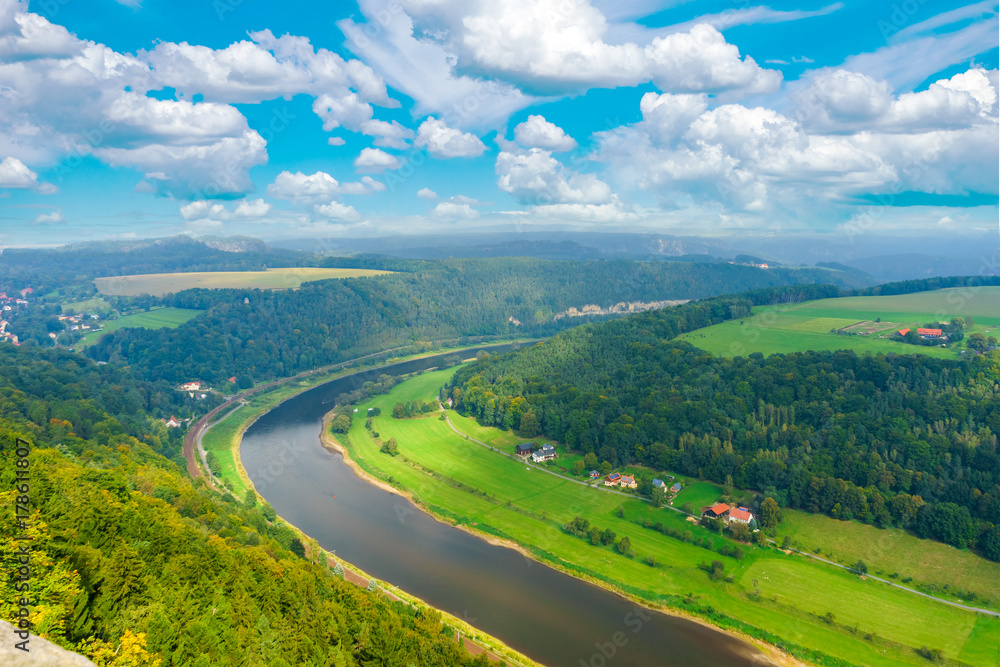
<point x="132" y="563"/>
<point x="264" y="334"/>
<point x="905" y="440"/>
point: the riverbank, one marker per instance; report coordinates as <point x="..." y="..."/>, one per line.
<point x="239" y="420"/>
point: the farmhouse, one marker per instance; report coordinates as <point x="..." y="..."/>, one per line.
<point x="594" y="474"/>
<point x="676" y="487"/>
<point x="658" y="484"/>
<point x="740" y="515"/>
<point x="525" y="448"/>
<point x="614" y="479"/>
<point x="929" y="333"/>
<point x="716" y="511"/>
<point x="629" y="481"/>
<point x="191" y="386"/>
<point x="173" y="422"/>
<point x="546" y="453"/>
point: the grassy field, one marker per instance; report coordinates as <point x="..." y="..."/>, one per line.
<point x="158" y="284"/>
<point x="808" y="326"/>
<point x="481" y="488"/>
<point x="699" y="495"/>
<point x="88" y="306"/>
<point x="894" y="551"/>
<point x="156" y="318"/>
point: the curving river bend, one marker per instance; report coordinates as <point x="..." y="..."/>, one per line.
<point x="550" y="616"/>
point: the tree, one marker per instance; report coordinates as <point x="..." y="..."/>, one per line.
<point x="590" y="460"/>
<point x="250" y="499"/>
<point x="770" y="514"/>
<point x="608" y="537"/>
<point x="624" y="547"/>
<point x="297" y="548"/>
<point x="659" y="497"/>
<point x="399" y="411"/>
<point x="605" y="468"/>
<point x="390" y="447"/>
<point x="529" y="424"/>
<point x="594" y="535"/>
<point x="990" y="543"/>
<point x="717" y="570"/>
<point x="739" y="531"/>
<point x="268" y="512"/>
<point x="977" y="341"/>
<point x="578" y="467"/>
<point x="341" y="424"/>
<point x="861" y="567"/>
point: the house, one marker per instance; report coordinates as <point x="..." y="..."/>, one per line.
<point x="191" y="386"/>
<point x="173" y="422"/>
<point x="929" y="333"/>
<point x="740" y="515"/>
<point x="546" y="453"/>
<point x="716" y="511"/>
<point x="232" y="379"/>
<point x="658" y="484"/>
<point x="676" y="487"/>
<point x="614" y="479"/>
<point x="525" y="448"/>
<point x="903" y="332"/>
<point x="594" y="474"/>
<point x="629" y="481"/>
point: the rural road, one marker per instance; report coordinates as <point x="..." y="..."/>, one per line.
<point x="892" y="583"/>
<point x="829" y="562"/>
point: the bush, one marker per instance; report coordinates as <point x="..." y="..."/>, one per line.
<point x="390" y="447"/>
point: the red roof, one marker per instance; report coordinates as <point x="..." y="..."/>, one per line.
<point x="719" y="509"/>
<point x="903" y="332"/>
<point x="740" y="514"/>
<point x="929" y="332"/>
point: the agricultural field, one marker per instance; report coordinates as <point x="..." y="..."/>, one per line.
<point x="88" y="306"/>
<point x="156" y="318"/>
<point x="158" y="284"/>
<point x="867" y="324"/>
<point x="482" y="489"/>
<point x="894" y="551"/>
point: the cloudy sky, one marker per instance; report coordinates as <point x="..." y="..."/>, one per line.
<point x="122" y="118"/>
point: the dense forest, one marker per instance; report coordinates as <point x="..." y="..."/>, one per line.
<point x="903" y="440"/>
<point x="132" y="564"/>
<point x="269" y="334"/>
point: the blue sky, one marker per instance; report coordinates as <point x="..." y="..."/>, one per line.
<point x="127" y="118"/>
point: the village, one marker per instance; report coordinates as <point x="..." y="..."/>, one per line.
<point x="719" y="511"/>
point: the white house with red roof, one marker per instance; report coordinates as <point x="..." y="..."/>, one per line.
<point x="740" y="515"/>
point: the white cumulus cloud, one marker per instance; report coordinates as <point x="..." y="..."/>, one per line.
<point x="536" y="132"/>
<point x="337" y="211"/>
<point x="375" y="160"/>
<point x="447" y="142"/>
<point x="15" y="175"/>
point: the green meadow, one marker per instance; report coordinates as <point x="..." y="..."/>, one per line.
<point x="481" y="489"/>
<point x="939" y="568"/>
<point x="802" y="327"/>
<point x="156" y="318"/>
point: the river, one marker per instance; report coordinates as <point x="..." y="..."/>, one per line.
<point x="552" y="617"/>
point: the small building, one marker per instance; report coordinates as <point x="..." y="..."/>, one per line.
<point x="903" y="332"/>
<point x="929" y="334"/>
<point x="594" y="474"/>
<point x="232" y="379"/>
<point x="676" y="487"/>
<point x="614" y="479"/>
<point x="191" y="386"/>
<point x="173" y="422"/>
<point x="740" y="515"/>
<point x="525" y="448"/>
<point x="658" y="484"/>
<point x="546" y="453"/>
<point x="716" y="511"/>
<point x="629" y="481"/>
